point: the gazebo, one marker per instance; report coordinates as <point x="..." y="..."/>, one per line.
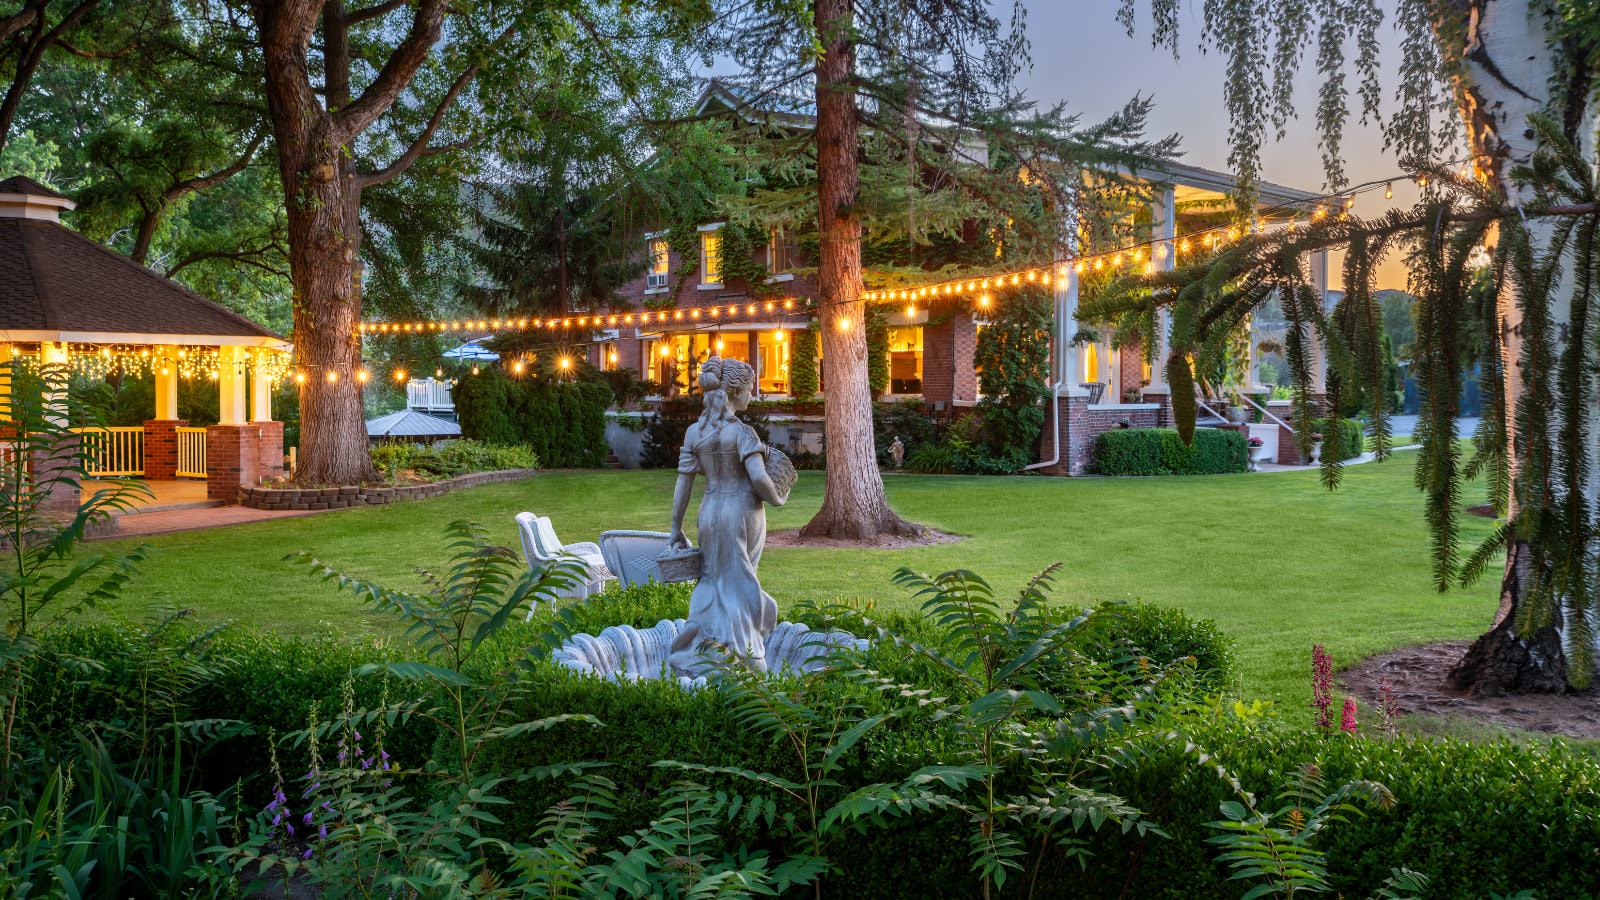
<point x="69" y="301"/>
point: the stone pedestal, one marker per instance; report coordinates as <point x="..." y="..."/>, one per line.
<point x="233" y="458"/>
<point x="161" y="449"/>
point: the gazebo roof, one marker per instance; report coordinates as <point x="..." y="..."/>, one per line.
<point x="407" y="423"/>
<point x="57" y="285"/>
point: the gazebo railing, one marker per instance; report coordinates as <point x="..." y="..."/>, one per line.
<point x="191" y="453"/>
<point x="113" y="452"/>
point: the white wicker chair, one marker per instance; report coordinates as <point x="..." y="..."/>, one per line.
<point x="632" y="555"/>
<point x="541" y="547"/>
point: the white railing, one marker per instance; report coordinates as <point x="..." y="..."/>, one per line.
<point x="114" y="452"/>
<point x="428" y="394"/>
<point x="191" y="453"/>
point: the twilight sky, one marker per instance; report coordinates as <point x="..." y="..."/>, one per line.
<point x="1082" y="56"/>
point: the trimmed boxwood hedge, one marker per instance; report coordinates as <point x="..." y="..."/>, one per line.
<point x="563" y="423"/>
<point x="1474" y="817"/>
<point x="1160" y="451"/>
<point x="1352" y="436"/>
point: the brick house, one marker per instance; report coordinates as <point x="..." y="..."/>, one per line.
<point x="1095" y="385"/>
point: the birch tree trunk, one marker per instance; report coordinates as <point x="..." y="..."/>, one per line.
<point x="1509" y="66"/>
<point x="854" y="505"/>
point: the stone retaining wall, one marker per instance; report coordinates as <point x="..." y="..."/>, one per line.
<point x="345" y="497"/>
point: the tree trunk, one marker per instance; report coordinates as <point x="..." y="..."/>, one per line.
<point x="1509" y="66"/>
<point x="323" y="206"/>
<point x="854" y="506"/>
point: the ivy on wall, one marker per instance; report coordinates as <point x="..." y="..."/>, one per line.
<point x="803" y="382"/>
<point x="877" y="351"/>
<point x="742" y="247"/>
<point x="1013" y="361"/>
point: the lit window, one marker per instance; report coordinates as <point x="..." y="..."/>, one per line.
<point x="711" y="257"/>
<point x="657" y="278"/>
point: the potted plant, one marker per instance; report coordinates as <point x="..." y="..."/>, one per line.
<point x="1258" y="452"/>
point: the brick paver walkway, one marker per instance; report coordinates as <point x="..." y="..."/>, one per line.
<point x="170" y="520"/>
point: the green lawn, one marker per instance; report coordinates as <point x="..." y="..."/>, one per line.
<point x="1277" y="561"/>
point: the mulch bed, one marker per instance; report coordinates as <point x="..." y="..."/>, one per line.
<point x="1416" y="675"/>
<point x="929" y="537"/>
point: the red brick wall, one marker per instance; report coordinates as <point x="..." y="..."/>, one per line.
<point x="1131" y="360"/>
<point x="63" y="496"/>
<point x="270" y="451"/>
<point x="1079" y="427"/>
<point x="161" y="448"/>
<point x="949" y="341"/>
<point x="233" y="458"/>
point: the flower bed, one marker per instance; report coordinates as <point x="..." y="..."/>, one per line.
<point x="309" y="498"/>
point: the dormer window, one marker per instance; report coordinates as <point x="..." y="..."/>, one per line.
<point x="711" y="256"/>
<point x="656" y="278"/>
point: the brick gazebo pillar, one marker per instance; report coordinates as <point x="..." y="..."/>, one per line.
<point x="233" y="458"/>
<point x="270" y="450"/>
<point x="61" y="497"/>
<point x="161" y="449"/>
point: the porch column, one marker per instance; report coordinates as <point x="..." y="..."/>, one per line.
<point x="50" y="466"/>
<point x="166" y="388"/>
<point x="1163" y="258"/>
<point x="1319" y="360"/>
<point x="161" y="432"/>
<point x="1068" y="365"/>
<point x="270" y="433"/>
<point x="54" y="354"/>
<point x="260" y="389"/>
<point x="231" y="364"/>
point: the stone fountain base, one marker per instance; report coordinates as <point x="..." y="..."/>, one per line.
<point x="625" y="653"/>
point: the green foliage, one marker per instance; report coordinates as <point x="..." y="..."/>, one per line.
<point x="1013" y="362"/>
<point x="562" y="422"/>
<point x="1448" y="819"/>
<point x="959" y="454"/>
<point x="804" y="379"/>
<point x="1351" y="440"/>
<point x="1161" y="451"/>
<point x="877" y="351"/>
<point x="910" y="421"/>
<point x="450" y="458"/>
<point x="663" y="435"/>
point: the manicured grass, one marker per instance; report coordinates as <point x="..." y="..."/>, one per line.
<point x="1276" y="560"/>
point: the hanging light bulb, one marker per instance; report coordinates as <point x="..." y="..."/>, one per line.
<point x="400" y="374"/>
<point x="1388" y="190"/>
<point x="566" y="363"/>
<point x="333" y="377"/>
<point x="299" y="377"/>
<point x="474" y="370"/>
<point x="362" y="376"/>
<point x="844" y="323"/>
<point x="438" y="373"/>
<point x="517" y="367"/>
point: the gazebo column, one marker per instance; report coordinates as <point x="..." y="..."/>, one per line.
<point x="233" y="445"/>
<point x="61" y="497"/>
<point x="161" y="433"/>
<point x="270" y="452"/>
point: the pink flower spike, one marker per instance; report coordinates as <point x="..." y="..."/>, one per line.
<point x="1347" y="722"/>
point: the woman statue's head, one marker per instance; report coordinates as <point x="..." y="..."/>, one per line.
<point x="727" y="384"/>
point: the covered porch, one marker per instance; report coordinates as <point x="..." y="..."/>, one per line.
<point x="73" y="305"/>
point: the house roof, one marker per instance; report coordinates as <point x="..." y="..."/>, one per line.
<point x="58" y="285"/>
<point x="407" y="423"/>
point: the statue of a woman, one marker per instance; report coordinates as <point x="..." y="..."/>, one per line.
<point x="728" y="609"/>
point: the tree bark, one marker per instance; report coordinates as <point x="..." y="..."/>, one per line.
<point x="322" y="190"/>
<point x="854" y="505"/>
<point x="1508" y="67"/>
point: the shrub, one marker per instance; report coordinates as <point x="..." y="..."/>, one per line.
<point x="1478" y="819"/>
<point x="563" y="423"/>
<point x="1352" y="440"/>
<point x="803" y="380"/>
<point x="1160" y="451"/>
<point x="663" y="436"/>
<point x="910" y="421"/>
<point x="1013" y="360"/>
<point x="452" y="458"/>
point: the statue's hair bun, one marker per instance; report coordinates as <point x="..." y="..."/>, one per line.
<point x="711" y="374"/>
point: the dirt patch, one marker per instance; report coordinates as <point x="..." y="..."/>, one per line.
<point x="928" y="538"/>
<point x="1416" y="676"/>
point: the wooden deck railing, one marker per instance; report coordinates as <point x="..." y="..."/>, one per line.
<point x="191" y="453"/>
<point x="116" y="452"/>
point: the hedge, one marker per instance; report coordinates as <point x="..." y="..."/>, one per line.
<point x="1160" y="451"/>
<point x="1352" y="436"/>
<point x="564" y="423"/>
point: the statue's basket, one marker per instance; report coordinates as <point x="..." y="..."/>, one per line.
<point x="680" y="565"/>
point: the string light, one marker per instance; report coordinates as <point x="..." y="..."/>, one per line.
<point x="1388" y="190"/>
<point x="788" y="304"/>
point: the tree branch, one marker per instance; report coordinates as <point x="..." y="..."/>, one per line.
<point x="419" y="148"/>
<point x="396" y="74"/>
<point x="201" y="182"/>
<point x="250" y="256"/>
<point x="372" y="12"/>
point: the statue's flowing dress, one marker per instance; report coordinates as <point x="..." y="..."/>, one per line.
<point x="728" y="605"/>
